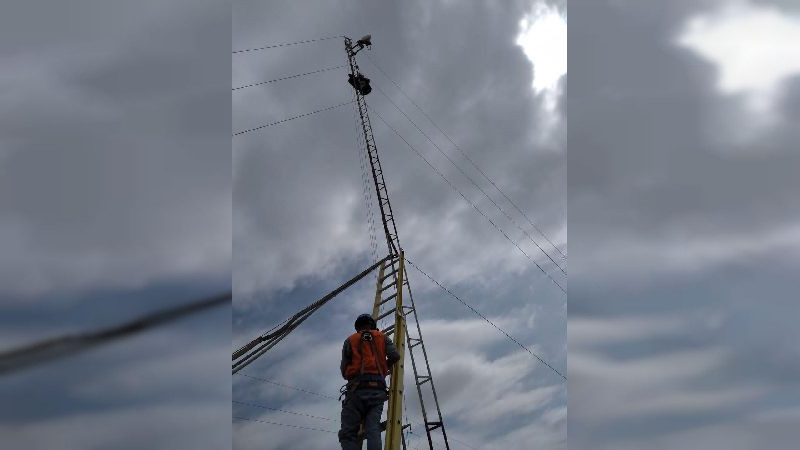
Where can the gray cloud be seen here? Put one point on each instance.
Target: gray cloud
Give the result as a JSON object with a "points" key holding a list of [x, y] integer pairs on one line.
{"points": [[686, 237], [300, 219], [89, 199], [115, 201]]}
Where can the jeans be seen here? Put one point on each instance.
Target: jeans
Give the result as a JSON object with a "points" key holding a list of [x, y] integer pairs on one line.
{"points": [[366, 405]]}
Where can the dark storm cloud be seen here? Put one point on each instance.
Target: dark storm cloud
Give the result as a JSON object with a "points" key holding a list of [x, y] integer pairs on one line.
{"points": [[684, 236], [89, 198], [300, 218]]}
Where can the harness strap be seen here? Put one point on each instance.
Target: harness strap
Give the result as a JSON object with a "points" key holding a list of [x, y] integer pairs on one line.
{"points": [[361, 352], [375, 354]]}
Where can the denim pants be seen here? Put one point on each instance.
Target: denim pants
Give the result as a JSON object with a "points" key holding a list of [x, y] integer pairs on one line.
{"points": [[366, 405]]}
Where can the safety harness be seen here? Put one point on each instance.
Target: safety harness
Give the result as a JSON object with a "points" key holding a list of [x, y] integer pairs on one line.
{"points": [[365, 381]]}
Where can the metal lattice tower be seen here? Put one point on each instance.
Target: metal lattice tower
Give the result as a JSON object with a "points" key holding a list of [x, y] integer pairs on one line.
{"points": [[396, 278]]}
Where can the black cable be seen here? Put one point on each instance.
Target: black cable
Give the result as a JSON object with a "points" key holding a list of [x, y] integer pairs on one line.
{"points": [[284, 424], [269, 340], [284, 45], [467, 157], [53, 348], [469, 201], [470, 179], [291, 118], [272, 338], [255, 354], [487, 320], [286, 78], [264, 380], [283, 410]]}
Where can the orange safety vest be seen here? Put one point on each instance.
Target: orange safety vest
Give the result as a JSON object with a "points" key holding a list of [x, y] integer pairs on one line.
{"points": [[369, 356]]}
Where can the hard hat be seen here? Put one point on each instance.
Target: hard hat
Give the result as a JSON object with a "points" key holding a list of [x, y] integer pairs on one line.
{"points": [[365, 319]]}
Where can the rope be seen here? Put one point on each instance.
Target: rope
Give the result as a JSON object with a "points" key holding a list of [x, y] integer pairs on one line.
{"points": [[511, 219], [463, 153], [265, 380], [286, 78], [54, 348], [470, 202], [288, 119], [284, 45], [283, 410], [284, 424], [270, 339], [487, 320]]}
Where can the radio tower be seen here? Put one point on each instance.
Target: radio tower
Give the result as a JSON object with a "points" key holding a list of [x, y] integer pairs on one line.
{"points": [[392, 282]]}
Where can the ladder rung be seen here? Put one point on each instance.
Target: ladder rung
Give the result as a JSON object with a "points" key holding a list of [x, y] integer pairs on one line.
{"points": [[388, 298], [387, 313], [387, 286], [430, 426], [387, 276], [362, 434], [388, 330], [425, 378]]}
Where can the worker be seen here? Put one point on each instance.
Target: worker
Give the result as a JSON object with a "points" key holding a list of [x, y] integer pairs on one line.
{"points": [[367, 357], [360, 83]]}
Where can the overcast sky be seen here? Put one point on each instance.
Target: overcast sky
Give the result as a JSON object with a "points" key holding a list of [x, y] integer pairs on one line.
{"points": [[115, 201], [115, 198], [684, 224], [493, 77]]}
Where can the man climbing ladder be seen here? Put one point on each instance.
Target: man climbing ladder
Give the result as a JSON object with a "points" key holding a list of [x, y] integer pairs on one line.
{"points": [[367, 356]]}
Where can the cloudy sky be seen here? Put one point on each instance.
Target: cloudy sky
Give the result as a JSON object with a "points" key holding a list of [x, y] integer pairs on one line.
{"points": [[493, 77], [115, 198], [115, 201], [684, 224]]}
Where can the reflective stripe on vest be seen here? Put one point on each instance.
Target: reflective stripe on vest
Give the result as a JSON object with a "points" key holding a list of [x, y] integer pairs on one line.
{"points": [[363, 354]]}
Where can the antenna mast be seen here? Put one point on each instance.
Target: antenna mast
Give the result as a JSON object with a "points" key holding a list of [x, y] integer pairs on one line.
{"points": [[390, 285]]}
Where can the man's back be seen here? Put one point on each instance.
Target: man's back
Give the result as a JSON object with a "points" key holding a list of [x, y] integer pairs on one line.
{"points": [[367, 356], [366, 352]]}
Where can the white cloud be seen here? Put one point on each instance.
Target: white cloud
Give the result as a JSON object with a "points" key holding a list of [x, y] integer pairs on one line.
{"points": [[653, 385], [683, 252], [754, 49], [741, 435], [299, 216], [589, 333], [461, 363], [159, 390], [543, 38], [189, 425]]}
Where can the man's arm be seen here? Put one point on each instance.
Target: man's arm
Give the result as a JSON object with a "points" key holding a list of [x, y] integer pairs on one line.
{"points": [[392, 355], [347, 354]]}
